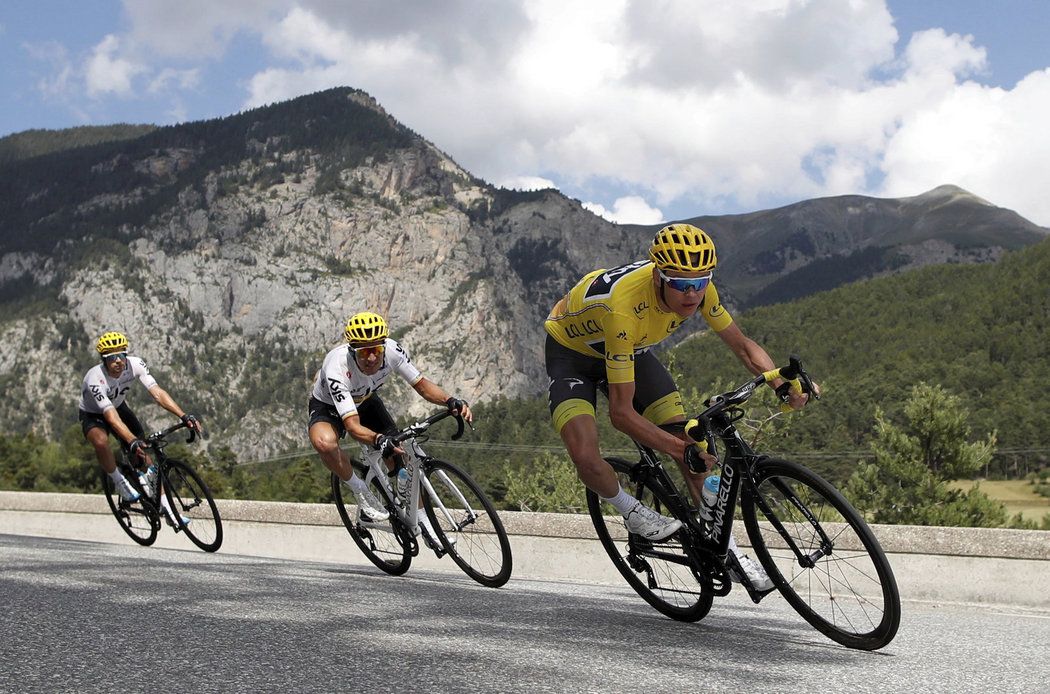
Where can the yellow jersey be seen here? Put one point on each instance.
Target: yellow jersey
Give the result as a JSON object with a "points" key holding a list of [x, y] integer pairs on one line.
{"points": [[614, 314]]}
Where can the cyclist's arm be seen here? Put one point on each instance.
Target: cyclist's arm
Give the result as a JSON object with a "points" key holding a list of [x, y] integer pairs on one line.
{"points": [[116, 424], [626, 419], [432, 392], [161, 397], [358, 431], [756, 359]]}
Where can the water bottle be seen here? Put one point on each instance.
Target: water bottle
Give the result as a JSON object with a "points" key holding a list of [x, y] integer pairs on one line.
{"points": [[709, 495], [151, 479], [402, 484]]}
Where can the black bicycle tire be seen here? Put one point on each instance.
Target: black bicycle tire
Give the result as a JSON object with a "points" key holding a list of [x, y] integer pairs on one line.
{"points": [[149, 512], [185, 469], [491, 580], [362, 538], [887, 627], [691, 613]]}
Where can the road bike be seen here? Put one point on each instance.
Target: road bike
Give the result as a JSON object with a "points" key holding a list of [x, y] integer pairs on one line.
{"points": [[186, 493], [817, 549], [465, 522]]}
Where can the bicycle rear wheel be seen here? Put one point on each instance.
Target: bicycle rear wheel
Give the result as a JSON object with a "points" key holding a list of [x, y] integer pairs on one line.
{"points": [[386, 544], [138, 519], [467, 524], [662, 573], [190, 497], [821, 555]]}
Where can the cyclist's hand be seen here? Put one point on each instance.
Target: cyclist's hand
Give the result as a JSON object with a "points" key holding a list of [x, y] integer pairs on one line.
{"points": [[794, 399], [138, 449], [192, 422], [460, 407], [698, 461], [386, 446]]}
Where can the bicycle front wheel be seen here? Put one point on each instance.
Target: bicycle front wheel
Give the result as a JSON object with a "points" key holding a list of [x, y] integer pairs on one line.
{"points": [[467, 524], [386, 544], [661, 572], [194, 507], [821, 555]]}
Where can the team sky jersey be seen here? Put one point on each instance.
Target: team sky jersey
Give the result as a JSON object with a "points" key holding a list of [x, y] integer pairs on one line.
{"points": [[615, 314], [341, 384], [101, 391]]}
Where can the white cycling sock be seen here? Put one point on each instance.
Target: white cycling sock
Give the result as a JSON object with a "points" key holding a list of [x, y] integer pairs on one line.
{"points": [[622, 502], [355, 483], [116, 475]]}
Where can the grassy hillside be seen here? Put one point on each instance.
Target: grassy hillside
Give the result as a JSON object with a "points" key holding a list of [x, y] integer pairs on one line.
{"points": [[979, 331], [33, 143]]}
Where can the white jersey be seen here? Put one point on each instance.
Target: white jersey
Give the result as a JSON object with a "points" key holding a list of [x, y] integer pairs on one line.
{"points": [[101, 391], [341, 384]]}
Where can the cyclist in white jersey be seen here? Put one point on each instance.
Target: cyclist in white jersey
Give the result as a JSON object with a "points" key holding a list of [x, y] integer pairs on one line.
{"points": [[104, 410], [344, 401]]}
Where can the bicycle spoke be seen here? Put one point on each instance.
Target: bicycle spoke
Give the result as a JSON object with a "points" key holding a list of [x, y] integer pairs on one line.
{"points": [[839, 581]]}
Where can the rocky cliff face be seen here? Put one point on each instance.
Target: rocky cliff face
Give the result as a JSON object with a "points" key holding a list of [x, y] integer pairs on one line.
{"points": [[231, 253]]}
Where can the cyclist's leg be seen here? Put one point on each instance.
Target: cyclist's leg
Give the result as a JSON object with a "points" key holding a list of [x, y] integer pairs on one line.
{"points": [[659, 401], [96, 431], [325, 429], [137, 430], [375, 416], [572, 391]]}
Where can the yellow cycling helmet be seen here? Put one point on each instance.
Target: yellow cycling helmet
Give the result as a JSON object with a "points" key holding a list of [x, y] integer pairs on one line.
{"points": [[684, 248], [111, 342], [365, 327]]}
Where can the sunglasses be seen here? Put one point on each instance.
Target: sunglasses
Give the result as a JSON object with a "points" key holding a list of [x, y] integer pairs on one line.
{"points": [[683, 284], [123, 356], [366, 352]]}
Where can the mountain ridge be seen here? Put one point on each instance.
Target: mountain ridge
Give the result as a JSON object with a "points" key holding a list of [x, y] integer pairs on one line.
{"points": [[231, 250]]}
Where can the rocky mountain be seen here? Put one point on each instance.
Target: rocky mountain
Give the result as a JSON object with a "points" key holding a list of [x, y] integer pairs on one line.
{"points": [[231, 252]]}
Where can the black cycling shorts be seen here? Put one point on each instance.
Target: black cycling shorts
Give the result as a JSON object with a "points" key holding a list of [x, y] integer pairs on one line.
{"points": [[576, 378], [90, 420], [372, 411]]}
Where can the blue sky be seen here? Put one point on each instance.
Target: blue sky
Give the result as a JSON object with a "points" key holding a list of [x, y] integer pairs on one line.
{"points": [[646, 112]]}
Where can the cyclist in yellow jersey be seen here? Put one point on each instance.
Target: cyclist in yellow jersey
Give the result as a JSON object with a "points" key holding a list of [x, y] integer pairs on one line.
{"points": [[599, 336]]}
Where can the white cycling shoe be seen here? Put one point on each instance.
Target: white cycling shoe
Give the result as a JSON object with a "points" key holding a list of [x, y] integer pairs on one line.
{"points": [[126, 491], [428, 532], [756, 575], [645, 522], [369, 506]]}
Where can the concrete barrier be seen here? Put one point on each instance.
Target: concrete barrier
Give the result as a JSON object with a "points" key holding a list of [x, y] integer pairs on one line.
{"points": [[991, 566]]}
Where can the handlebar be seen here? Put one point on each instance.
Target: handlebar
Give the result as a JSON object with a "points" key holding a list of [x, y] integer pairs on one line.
{"points": [[159, 436], [413, 430], [794, 373]]}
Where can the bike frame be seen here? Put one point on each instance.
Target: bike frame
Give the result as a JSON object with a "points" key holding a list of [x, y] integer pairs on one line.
{"points": [[156, 443], [736, 464], [416, 462]]}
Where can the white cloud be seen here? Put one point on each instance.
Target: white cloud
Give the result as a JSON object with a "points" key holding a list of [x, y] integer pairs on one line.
{"points": [[169, 79], [628, 210], [526, 183], [992, 142], [60, 70], [727, 106], [107, 72]]}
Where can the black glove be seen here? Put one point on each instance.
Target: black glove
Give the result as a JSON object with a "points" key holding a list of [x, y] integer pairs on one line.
{"points": [[137, 448], [385, 445], [784, 391], [455, 404], [190, 419], [693, 459]]}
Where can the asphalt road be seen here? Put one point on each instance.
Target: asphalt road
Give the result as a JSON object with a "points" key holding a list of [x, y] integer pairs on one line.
{"points": [[85, 617]]}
